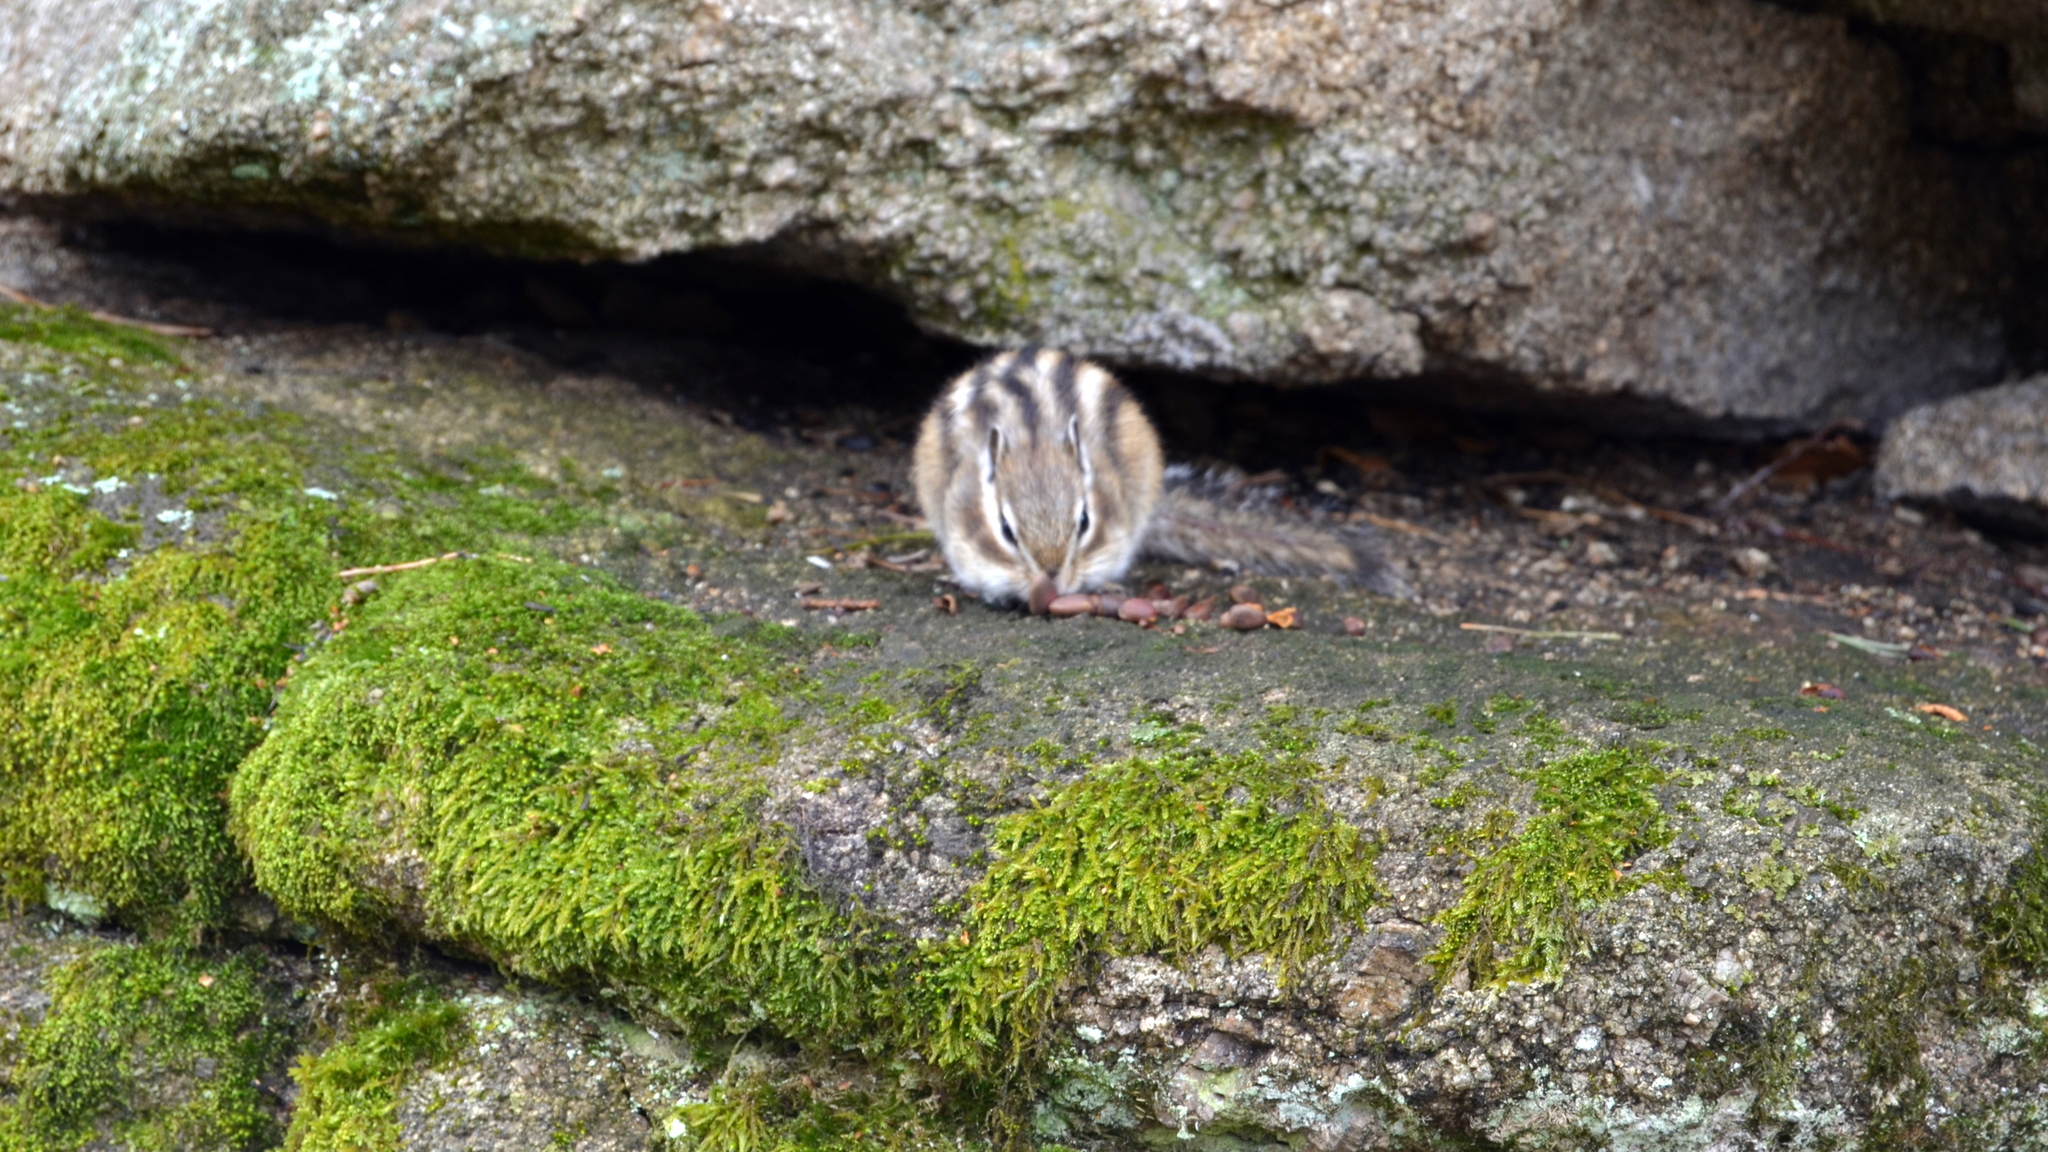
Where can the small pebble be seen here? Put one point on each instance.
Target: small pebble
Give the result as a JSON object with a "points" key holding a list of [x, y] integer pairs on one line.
{"points": [[1137, 610], [1244, 594], [1353, 626], [1072, 604], [1244, 617], [1201, 609], [1754, 563]]}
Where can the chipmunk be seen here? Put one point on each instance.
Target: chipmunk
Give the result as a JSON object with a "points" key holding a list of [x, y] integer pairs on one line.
{"points": [[1040, 476]]}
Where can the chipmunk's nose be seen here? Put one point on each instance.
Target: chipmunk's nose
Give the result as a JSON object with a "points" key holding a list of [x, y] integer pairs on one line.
{"points": [[1040, 594]]}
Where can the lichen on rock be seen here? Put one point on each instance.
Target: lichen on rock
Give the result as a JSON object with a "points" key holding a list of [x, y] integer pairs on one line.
{"points": [[1596, 200]]}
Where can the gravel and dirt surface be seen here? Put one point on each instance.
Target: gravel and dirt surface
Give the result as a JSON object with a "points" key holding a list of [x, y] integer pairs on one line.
{"points": [[1510, 515]]}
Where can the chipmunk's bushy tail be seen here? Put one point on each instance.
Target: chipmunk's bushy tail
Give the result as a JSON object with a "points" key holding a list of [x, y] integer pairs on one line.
{"points": [[1213, 518]]}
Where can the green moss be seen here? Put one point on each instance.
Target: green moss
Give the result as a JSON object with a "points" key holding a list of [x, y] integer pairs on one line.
{"points": [[1461, 796], [1164, 856], [1447, 760], [1360, 726], [137, 682], [1646, 712], [71, 330], [1283, 731], [754, 1112], [348, 1094], [160, 565], [572, 767], [1543, 731], [2015, 932], [577, 791], [1596, 810], [1772, 875], [1762, 1053], [147, 1047], [1885, 1029]]}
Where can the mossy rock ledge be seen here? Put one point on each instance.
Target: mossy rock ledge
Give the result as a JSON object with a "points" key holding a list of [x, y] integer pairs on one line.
{"points": [[586, 833]]}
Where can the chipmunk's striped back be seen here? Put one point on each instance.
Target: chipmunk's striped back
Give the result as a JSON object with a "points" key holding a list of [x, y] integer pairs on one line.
{"points": [[1038, 472]]}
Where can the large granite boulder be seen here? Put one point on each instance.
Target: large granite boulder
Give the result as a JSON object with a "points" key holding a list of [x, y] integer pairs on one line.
{"points": [[1712, 204]]}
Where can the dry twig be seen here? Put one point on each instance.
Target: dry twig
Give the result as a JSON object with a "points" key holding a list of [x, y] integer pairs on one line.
{"points": [[1607, 493], [185, 330], [380, 569], [1396, 525], [1756, 479]]}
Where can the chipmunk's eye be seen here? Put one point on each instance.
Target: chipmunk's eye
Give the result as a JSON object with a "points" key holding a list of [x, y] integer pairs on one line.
{"points": [[1083, 529], [1009, 537]]}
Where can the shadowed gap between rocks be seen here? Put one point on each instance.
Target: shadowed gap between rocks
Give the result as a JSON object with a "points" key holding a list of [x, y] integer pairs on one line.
{"points": [[777, 349]]}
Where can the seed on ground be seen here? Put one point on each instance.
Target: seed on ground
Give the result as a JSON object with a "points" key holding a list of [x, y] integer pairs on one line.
{"points": [[1244, 617]]}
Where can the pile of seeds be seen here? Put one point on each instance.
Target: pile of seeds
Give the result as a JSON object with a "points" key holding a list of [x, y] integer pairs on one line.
{"points": [[1159, 604]]}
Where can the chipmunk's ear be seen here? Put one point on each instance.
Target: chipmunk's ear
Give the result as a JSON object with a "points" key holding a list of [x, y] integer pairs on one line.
{"points": [[994, 454], [1079, 449]]}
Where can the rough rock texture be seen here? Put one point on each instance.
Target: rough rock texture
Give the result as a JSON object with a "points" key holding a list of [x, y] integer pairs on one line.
{"points": [[541, 1070], [533, 1069], [1710, 203], [1709, 915], [1985, 453], [33, 946]]}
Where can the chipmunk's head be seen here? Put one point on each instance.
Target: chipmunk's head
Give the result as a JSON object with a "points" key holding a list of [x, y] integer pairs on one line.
{"points": [[1038, 472], [1037, 497]]}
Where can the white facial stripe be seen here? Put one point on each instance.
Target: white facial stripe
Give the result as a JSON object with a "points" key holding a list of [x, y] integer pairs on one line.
{"points": [[1016, 547], [1047, 362], [1088, 389]]}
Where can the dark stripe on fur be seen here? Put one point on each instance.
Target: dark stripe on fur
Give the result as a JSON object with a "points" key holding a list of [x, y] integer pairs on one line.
{"points": [[1063, 381]]}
